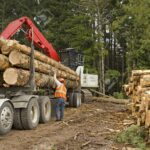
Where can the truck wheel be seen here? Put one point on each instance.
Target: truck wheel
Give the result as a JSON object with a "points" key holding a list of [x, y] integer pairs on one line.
{"points": [[30, 115], [45, 109], [83, 100], [17, 119], [76, 100], [6, 117], [71, 99], [86, 96]]}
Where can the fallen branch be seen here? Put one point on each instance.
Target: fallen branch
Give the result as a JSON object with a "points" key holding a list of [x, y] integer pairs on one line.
{"points": [[104, 133], [115, 148], [65, 123], [86, 143], [128, 122], [116, 101], [75, 137], [101, 94], [112, 130]]}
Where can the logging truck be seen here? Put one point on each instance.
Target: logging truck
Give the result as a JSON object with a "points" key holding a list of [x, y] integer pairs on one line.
{"points": [[26, 78]]}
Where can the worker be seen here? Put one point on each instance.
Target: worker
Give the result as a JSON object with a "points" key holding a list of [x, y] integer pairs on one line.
{"points": [[60, 94]]}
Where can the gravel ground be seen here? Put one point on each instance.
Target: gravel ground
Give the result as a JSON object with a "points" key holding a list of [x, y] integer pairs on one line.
{"points": [[93, 126]]}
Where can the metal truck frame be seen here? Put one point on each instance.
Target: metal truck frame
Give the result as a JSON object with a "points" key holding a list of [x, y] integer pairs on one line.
{"points": [[25, 107]]}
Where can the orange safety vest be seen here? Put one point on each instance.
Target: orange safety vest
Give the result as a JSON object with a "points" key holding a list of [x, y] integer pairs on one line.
{"points": [[60, 92]]}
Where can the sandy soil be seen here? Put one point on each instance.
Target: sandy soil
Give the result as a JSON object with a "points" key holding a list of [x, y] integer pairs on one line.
{"points": [[93, 126]]}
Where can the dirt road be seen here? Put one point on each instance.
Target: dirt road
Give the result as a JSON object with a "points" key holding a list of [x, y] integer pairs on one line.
{"points": [[93, 126]]}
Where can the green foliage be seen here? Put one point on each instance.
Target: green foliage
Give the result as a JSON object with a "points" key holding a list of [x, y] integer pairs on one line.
{"points": [[112, 74], [90, 70], [119, 95], [53, 148], [41, 92], [82, 25], [132, 29], [133, 135]]}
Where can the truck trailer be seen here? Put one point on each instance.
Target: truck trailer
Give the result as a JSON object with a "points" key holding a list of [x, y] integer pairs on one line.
{"points": [[27, 88], [24, 105]]}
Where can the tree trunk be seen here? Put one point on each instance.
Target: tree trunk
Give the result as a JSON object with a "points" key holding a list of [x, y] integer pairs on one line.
{"points": [[140, 72], [116, 101], [10, 45], [147, 121], [20, 77], [141, 90], [21, 60], [145, 81], [138, 89], [4, 62]]}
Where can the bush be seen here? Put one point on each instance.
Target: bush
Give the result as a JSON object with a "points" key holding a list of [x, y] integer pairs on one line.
{"points": [[112, 74], [133, 135], [118, 95]]}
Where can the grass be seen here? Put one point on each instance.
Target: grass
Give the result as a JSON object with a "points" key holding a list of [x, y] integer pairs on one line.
{"points": [[135, 136]]}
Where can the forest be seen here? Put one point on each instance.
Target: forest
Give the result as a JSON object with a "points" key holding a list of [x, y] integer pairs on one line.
{"points": [[113, 35]]}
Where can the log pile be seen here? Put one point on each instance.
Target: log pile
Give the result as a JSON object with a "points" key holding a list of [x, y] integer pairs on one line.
{"points": [[138, 89], [15, 67]]}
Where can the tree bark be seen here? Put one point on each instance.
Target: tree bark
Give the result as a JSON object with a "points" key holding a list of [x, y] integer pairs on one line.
{"points": [[147, 120], [21, 60], [138, 89], [4, 62], [6, 45], [20, 77], [140, 72], [145, 81], [10, 45], [141, 90], [116, 101]]}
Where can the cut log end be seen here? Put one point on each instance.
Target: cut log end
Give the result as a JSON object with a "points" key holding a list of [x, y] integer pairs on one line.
{"points": [[14, 57], [10, 76]]}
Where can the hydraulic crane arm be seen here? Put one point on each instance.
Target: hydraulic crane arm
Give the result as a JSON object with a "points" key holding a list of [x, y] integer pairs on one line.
{"points": [[38, 38]]}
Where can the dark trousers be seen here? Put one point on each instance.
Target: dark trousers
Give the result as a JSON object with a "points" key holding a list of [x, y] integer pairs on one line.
{"points": [[60, 106]]}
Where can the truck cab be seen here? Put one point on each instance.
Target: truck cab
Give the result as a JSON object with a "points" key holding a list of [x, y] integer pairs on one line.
{"points": [[75, 60]]}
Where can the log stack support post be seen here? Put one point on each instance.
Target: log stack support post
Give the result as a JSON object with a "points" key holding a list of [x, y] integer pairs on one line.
{"points": [[32, 66]]}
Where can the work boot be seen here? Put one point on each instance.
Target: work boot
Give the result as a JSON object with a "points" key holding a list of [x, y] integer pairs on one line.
{"points": [[57, 120]]}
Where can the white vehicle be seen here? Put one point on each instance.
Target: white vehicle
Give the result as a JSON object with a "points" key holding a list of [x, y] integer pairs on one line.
{"points": [[87, 80], [75, 61]]}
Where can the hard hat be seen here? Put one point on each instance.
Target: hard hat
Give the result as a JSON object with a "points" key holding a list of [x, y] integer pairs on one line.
{"points": [[61, 79]]}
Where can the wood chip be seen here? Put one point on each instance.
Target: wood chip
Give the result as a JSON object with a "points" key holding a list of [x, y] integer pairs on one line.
{"points": [[75, 137], [65, 123], [115, 148], [86, 143], [112, 130]]}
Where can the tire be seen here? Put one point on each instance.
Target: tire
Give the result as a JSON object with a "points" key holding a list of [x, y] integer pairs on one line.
{"points": [[6, 117], [83, 100], [86, 96], [77, 100], [45, 109], [71, 99], [30, 115], [17, 119]]}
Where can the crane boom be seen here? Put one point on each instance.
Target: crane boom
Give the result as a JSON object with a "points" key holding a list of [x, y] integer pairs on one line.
{"points": [[39, 40]]}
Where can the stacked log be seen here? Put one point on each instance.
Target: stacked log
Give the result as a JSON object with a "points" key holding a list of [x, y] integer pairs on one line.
{"points": [[4, 62], [138, 89], [15, 66]]}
